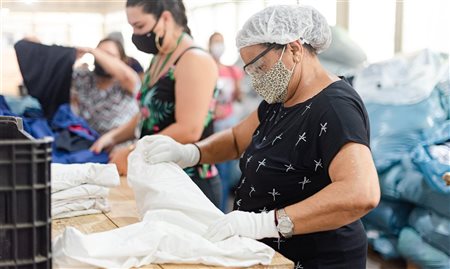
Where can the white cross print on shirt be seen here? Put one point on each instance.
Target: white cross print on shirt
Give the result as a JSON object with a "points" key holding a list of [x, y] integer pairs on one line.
{"points": [[273, 115], [264, 210], [305, 181], [248, 160], [323, 128], [298, 266], [252, 189], [301, 138], [263, 163], [279, 241], [238, 203], [278, 137], [274, 194], [242, 182], [318, 164], [289, 167], [307, 108]]}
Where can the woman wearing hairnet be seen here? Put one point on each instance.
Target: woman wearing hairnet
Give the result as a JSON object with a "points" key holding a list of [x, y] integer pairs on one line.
{"points": [[307, 171]]}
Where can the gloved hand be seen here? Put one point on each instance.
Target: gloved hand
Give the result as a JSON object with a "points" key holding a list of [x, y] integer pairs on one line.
{"points": [[162, 148], [246, 224]]}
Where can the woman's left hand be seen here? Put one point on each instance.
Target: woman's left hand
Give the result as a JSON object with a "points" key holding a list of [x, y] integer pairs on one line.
{"points": [[119, 156], [246, 224]]}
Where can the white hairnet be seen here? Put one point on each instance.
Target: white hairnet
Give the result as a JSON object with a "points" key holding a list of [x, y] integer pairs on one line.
{"points": [[284, 24]]}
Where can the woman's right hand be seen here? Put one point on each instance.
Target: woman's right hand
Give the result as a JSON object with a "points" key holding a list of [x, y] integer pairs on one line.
{"points": [[162, 148], [105, 142]]}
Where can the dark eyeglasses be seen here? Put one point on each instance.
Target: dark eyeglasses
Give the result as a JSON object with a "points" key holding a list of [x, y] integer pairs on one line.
{"points": [[271, 46]]}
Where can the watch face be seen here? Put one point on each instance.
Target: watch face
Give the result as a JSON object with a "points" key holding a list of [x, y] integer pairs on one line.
{"points": [[285, 226]]}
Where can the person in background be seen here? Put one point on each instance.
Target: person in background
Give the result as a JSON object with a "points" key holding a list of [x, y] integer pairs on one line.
{"points": [[176, 98], [229, 87], [105, 97], [132, 62], [307, 171]]}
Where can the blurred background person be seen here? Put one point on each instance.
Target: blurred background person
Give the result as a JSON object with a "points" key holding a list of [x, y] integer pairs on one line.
{"points": [[132, 62], [225, 116], [177, 95], [104, 97]]}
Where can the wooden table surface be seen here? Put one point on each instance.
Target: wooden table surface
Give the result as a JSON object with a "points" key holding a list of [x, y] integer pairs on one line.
{"points": [[124, 212]]}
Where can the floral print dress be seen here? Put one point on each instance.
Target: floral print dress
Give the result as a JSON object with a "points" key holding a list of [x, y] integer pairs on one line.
{"points": [[157, 108]]}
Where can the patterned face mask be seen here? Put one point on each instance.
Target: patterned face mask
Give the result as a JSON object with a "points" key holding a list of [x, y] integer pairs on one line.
{"points": [[273, 85]]}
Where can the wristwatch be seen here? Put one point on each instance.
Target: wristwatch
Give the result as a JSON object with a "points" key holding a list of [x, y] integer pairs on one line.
{"points": [[285, 226]]}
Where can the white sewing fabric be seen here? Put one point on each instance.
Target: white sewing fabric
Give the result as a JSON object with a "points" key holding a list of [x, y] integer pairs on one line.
{"points": [[85, 191], [65, 176], [78, 207], [175, 216], [283, 24]]}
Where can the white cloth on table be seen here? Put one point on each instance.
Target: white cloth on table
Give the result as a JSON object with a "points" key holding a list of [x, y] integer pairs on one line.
{"points": [[60, 209], [81, 189], [175, 214], [85, 191], [65, 176]]}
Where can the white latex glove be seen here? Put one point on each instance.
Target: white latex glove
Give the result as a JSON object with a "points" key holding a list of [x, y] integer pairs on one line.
{"points": [[162, 148], [246, 224]]}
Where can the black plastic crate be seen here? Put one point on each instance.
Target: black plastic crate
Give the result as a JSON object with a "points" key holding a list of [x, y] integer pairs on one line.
{"points": [[25, 220]]}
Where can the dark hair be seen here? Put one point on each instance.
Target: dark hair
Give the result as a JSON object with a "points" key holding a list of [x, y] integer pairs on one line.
{"points": [[308, 47], [156, 7], [119, 46]]}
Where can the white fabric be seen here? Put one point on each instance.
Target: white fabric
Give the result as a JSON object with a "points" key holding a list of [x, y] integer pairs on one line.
{"points": [[162, 148], [402, 80], [84, 191], [175, 216], [441, 153], [248, 224], [65, 176], [283, 24], [77, 213], [65, 206]]}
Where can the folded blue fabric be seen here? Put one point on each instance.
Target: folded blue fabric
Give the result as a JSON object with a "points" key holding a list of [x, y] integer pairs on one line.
{"points": [[433, 228], [389, 216], [412, 247], [64, 118], [434, 167], [19, 104]]}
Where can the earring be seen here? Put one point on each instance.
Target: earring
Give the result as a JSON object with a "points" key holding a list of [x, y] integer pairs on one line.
{"points": [[158, 46]]}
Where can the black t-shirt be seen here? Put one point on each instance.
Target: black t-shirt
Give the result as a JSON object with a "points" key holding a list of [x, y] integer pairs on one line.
{"points": [[288, 161]]}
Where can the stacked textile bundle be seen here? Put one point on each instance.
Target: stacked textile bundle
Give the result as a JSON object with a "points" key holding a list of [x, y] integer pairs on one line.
{"points": [[81, 189], [407, 99]]}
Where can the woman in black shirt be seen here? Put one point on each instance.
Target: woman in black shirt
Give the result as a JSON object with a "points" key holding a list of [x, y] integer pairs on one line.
{"points": [[307, 171]]}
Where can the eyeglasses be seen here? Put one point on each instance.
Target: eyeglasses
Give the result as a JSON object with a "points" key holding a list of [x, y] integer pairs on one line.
{"points": [[251, 68]]}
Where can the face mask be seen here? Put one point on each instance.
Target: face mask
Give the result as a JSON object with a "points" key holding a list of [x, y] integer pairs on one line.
{"points": [[147, 42], [217, 50], [273, 85], [99, 71]]}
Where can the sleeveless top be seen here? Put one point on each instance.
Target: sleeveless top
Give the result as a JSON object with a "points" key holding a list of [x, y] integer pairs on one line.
{"points": [[157, 109]]}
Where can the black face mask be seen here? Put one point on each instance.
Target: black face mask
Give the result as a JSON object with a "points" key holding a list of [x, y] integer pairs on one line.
{"points": [[146, 42], [99, 71]]}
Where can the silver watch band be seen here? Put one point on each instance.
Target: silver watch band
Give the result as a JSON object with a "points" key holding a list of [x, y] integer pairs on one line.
{"points": [[285, 225]]}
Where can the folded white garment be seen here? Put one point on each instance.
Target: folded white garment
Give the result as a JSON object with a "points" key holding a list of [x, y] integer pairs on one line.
{"points": [[65, 176], [85, 191], [64, 206], [175, 216], [77, 213]]}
